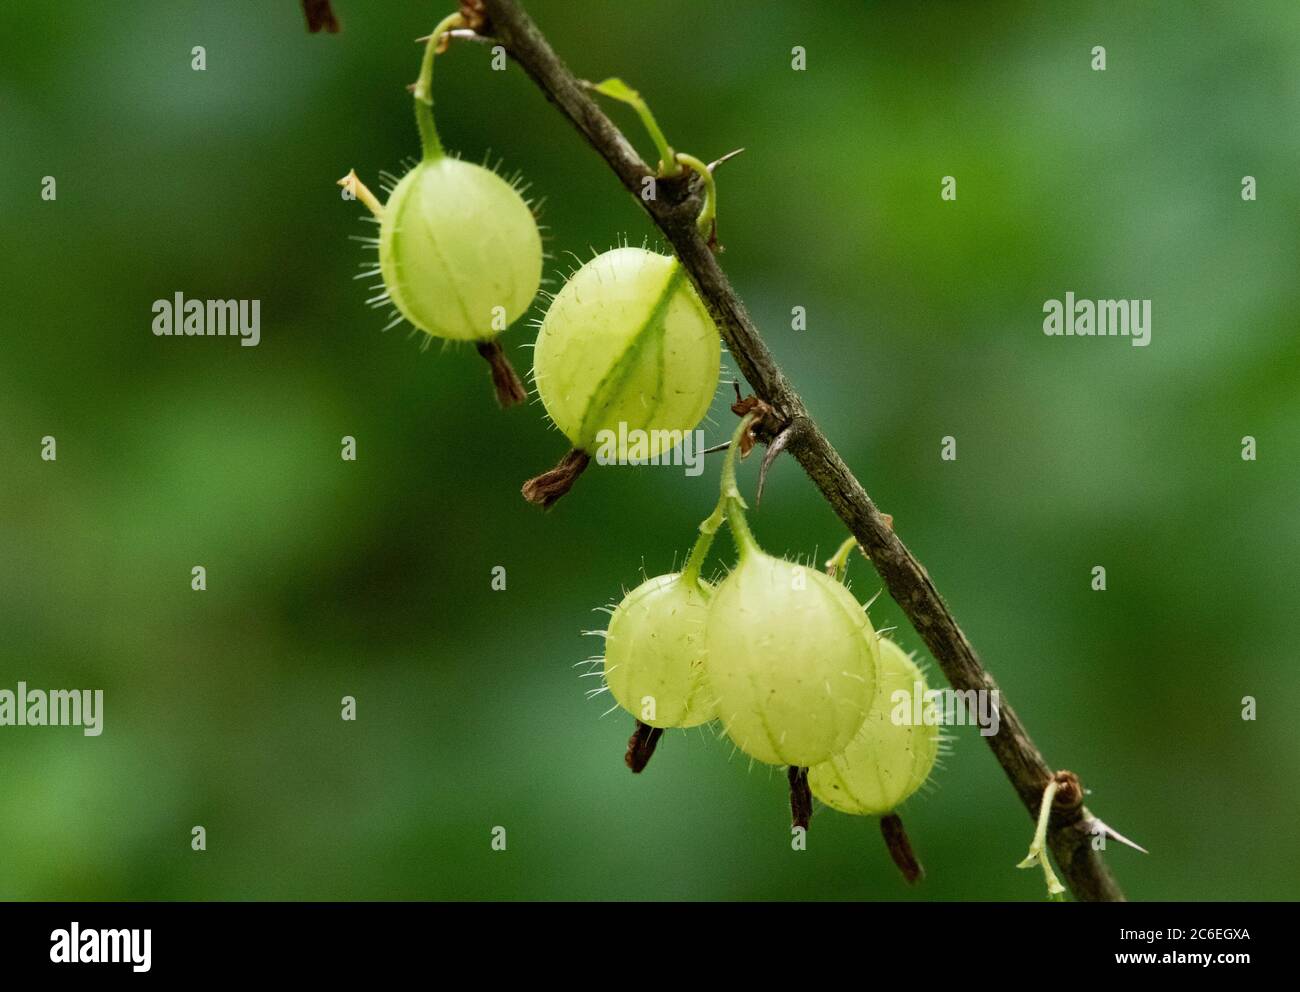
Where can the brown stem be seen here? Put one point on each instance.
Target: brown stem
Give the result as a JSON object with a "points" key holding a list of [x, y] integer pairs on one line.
{"points": [[674, 212], [800, 797], [545, 489], [641, 746], [509, 389], [900, 848]]}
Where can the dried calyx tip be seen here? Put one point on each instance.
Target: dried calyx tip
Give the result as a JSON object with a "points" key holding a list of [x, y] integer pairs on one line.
{"points": [[800, 797], [641, 746], [900, 848], [509, 389], [548, 487], [320, 17]]}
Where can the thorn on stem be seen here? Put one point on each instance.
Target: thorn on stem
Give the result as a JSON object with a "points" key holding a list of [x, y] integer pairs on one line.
{"points": [[900, 848], [641, 746], [727, 157], [800, 797], [1069, 797], [548, 487], [1096, 826], [459, 34], [505, 380], [773, 450]]}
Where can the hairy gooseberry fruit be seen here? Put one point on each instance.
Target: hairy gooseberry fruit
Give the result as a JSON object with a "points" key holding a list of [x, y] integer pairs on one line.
{"points": [[626, 349], [654, 647], [460, 254], [893, 753], [791, 657], [459, 250]]}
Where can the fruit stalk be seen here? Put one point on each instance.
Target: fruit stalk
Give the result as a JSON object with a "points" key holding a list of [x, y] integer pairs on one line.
{"points": [[423, 89], [732, 500], [838, 564]]}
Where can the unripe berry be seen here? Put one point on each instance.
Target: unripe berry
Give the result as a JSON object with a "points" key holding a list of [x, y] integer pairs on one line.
{"points": [[459, 250], [625, 344], [791, 657], [892, 755], [654, 648]]}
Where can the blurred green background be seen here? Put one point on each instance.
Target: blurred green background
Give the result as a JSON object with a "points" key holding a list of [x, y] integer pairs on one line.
{"points": [[372, 579]]}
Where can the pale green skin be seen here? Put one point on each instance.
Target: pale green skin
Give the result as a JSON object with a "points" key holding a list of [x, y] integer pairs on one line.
{"points": [[627, 340], [655, 647], [793, 670], [885, 763], [456, 242]]}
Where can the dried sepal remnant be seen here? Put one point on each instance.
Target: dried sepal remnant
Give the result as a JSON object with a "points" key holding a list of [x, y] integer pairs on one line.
{"points": [[800, 797], [641, 746], [320, 17], [545, 489], [761, 418], [507, 385]]}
